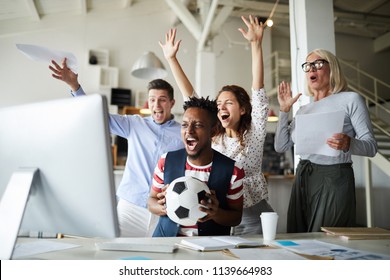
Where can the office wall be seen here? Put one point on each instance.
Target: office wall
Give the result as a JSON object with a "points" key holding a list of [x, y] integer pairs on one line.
{"points": [[127, 34]]}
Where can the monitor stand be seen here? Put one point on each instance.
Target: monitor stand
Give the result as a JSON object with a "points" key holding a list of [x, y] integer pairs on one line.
{"points": [[12, 206]]}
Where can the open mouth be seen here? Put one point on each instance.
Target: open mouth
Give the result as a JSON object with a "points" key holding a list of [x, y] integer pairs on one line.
{"points": [[313, 78], [158, 113], [191, 143], [224, 116]]}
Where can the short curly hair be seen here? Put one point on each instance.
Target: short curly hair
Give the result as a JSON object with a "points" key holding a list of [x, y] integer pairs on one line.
{"points": [[204, 103]]}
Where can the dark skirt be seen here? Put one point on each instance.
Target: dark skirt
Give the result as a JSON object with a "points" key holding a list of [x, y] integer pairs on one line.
{"points": [[322, 196]]}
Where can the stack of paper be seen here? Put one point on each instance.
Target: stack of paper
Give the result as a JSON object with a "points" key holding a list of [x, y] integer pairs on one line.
{"points": [[358, 233]]}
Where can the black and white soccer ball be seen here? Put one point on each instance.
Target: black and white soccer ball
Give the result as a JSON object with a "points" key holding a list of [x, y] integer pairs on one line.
{"points": [[183, 198]]}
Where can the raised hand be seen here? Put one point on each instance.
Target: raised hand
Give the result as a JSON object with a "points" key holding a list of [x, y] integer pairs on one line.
{"points": [[285, 98], [170, 47], [255, 29], [64, 74]]}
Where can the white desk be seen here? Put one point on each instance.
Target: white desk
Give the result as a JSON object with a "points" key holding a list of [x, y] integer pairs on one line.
{"points": [[88, 251]]}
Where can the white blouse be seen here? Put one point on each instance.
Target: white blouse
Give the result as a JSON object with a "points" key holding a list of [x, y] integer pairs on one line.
{"points": [[251, 155]]}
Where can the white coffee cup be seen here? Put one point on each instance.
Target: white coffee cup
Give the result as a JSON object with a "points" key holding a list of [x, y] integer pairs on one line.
{"points": [[269, 222]]}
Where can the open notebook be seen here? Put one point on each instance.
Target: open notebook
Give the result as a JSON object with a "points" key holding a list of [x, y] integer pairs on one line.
{"points": [[216, 243]]}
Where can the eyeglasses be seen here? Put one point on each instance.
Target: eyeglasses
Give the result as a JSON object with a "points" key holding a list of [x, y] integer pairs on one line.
{"points": [[318, 64]]}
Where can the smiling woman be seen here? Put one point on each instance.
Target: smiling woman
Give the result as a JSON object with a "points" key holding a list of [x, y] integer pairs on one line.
{"points": [[241, 130]]}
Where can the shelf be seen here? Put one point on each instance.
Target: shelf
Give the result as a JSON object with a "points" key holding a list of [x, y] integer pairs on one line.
{"points": [[108, 77], [101, 55]]}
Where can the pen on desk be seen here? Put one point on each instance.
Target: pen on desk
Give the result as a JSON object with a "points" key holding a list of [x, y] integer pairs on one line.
{"points": [[44, 234], [252, 246]]}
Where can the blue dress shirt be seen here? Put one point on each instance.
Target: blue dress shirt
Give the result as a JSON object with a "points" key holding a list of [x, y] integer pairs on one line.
{"points": [[146, 141]]}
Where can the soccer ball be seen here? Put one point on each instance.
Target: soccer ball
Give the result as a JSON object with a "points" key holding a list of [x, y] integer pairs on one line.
{"points": [[183, 198]]}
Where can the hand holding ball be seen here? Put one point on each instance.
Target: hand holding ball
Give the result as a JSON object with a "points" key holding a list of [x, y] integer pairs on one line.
{"points": [[183, 198]]}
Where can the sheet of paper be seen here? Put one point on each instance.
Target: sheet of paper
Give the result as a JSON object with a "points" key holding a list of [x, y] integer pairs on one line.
{"points": [[237, 240], [319, 248], [265, 254], [39, 246], [43, 54], [312, 130]]}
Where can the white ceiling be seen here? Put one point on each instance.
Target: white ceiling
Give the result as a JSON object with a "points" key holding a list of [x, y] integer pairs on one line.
{"points": [[355, 17]]}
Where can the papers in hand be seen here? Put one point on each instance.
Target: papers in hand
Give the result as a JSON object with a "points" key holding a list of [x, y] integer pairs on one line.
{"points": [[46, 55], [312, 131], [218, 243]]}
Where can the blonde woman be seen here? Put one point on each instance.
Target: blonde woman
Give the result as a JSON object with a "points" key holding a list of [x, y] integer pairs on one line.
{"points": [[323, 193]]}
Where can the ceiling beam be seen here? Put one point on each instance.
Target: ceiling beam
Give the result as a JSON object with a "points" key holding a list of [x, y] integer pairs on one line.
{"points": [[32, 8], [362, 18], [382, 43], [185, 17], [256, 5], [207, 25], [215, 15], [175, 19], [220, 19]]}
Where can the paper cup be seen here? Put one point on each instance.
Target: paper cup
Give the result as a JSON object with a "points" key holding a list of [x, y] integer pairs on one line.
{"points": [[269, 222]]}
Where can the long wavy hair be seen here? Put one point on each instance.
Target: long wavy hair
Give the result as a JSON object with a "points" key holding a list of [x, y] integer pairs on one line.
{"points": [[338, 82], [246, 119]]}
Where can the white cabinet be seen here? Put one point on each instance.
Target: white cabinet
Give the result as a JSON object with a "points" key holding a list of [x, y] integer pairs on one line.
{"points": [[108, 75]]}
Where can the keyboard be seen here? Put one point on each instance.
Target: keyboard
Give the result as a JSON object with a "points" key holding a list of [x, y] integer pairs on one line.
{"points": [[138, 247]]}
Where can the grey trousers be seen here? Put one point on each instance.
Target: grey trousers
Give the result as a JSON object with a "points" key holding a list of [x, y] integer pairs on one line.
{"points": [[322, 196], [250, 222]]}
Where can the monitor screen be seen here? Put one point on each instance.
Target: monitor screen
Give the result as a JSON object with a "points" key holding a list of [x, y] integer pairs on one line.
{"points": [[68, 141]]}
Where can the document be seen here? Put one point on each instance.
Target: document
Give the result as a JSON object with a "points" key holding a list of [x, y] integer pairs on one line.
{"points": [[40, 246], [312, 131], [323, 249], [265, 254], [46, 55], [217, 243]]}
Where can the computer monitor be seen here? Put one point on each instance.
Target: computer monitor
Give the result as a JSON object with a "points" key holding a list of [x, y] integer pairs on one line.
{"points": [[67, 143]]}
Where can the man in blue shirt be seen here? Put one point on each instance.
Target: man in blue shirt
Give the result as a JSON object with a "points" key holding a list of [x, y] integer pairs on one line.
{"points": [[148, 138]]}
